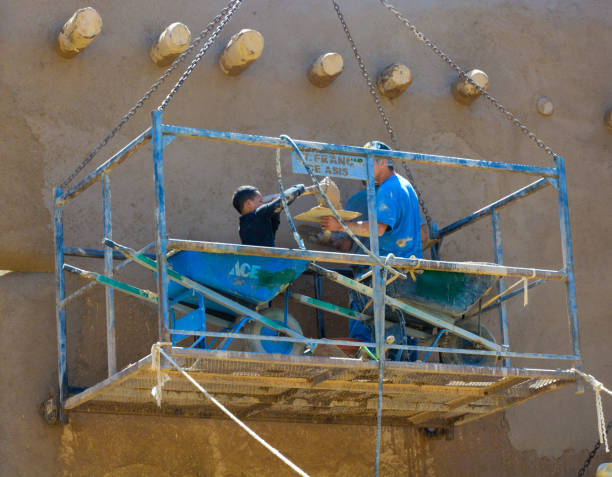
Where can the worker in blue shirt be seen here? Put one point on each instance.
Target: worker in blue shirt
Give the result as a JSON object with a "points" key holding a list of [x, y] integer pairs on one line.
{"points": [[397, 212], [399, 227]]}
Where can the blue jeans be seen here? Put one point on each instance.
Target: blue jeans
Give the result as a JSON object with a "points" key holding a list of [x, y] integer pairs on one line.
{"points": [[365, 332]]}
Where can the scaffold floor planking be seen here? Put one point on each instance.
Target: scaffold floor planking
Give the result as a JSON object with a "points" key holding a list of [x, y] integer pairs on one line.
{"points": [[317, 389]]}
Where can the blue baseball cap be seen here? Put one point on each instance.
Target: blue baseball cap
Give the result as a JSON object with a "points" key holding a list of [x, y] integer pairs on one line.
{"points": [[380, 146], [376, 145]]}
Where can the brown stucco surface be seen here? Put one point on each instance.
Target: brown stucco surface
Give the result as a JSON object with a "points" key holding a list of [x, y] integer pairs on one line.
{"points": [[55, 110]]}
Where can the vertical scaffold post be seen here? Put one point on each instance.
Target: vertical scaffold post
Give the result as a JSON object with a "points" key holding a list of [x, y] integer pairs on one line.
{"points": [[161, 238], [318, 294], [499, 259], [60, 293], [568, 264], [379, 305], [111, 341]]}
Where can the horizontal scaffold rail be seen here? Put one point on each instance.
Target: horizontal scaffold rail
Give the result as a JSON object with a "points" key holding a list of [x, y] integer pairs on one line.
{"points": [[267, 141], [112, 162], [356, 259]]}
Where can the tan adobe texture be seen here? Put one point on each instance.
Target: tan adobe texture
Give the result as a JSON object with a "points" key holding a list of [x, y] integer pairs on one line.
{"points": [[55, 110]]}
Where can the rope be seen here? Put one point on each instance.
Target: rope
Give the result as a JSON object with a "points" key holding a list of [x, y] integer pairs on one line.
{"points": [[499, 295], [525, 281], [148, 94], [162, 378], [382, 113], [279, 175], [387, 282], [335, 212], [462, 73], [157, 347], [601, 421]]}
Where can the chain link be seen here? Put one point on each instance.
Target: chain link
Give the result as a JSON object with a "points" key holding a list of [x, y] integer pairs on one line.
{"points": [[462, 73], [199, 56], [381, 111], [152, 89], [593, 452]]}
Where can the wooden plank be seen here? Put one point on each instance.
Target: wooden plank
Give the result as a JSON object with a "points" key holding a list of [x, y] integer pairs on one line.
{"points": [[108, 383], [468, 418]]}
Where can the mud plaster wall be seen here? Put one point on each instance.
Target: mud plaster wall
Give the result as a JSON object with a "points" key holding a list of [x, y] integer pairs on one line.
{"points": [[55, 110]]}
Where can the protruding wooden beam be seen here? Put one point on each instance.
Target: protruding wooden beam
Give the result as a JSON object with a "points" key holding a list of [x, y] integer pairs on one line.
{"points": [[464, 91], [171, 43], [394, 80], [545, 106], [78, 32], [608, 119], [325, 69], [242, 50]]}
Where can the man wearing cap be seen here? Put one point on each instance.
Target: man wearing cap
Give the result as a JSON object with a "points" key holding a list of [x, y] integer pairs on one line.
{"points": [[397, 212], [399, 226]]}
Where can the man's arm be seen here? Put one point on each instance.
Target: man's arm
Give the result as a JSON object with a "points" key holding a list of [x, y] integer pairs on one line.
{"points": [[276, 205], [360, 227]]}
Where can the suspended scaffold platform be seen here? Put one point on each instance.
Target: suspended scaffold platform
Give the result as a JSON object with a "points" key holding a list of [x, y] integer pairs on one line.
{"points": [[284, 386], [211, 294], [319, 389]]}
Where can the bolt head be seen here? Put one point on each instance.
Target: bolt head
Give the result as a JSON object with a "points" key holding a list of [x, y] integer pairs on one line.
{"points": [[545, 106], [608, 119]]}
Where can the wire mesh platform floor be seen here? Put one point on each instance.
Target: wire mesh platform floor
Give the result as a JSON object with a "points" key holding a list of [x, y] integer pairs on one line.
{"points": [[318, 389]]}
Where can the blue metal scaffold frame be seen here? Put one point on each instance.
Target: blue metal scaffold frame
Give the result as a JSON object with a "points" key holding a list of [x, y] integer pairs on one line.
{"points": [[161, 135]]}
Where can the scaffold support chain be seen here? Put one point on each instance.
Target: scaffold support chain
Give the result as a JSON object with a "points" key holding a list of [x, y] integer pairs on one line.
{"points": [[249, 431], [601, 421], [382, 112], [194, 63], [197, 40], [463, 74]]}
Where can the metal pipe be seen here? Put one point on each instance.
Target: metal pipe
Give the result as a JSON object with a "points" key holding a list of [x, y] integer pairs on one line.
{"points": [[161, 237], [320, 317], [95, 253], [432, 318], [499, 259], [433, 345], [111, 338], [474, 216], [379, 302], [207, 292], [314, 341], [107, 166], [90, 253], [568, 262], [141, 293], [267, 141], [60, 311], [323, 305], [356, 259], [510, 295]]}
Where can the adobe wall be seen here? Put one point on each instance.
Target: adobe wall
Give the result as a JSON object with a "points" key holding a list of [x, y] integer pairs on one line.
{"points": [[54, 111]]}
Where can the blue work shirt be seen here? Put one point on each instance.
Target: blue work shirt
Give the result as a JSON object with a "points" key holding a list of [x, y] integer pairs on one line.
{"points": [[358, 203], [397, 206]]}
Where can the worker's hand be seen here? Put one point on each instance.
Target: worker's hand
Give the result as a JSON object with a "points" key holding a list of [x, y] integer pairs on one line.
{"points": [[310, 190], [331, 224]]}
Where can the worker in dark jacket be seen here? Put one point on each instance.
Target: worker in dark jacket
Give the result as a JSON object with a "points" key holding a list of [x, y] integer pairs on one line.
{"points": [[258, 221]]}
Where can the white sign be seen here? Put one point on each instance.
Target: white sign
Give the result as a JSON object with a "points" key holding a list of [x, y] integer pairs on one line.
{"points": [[335, 165]]}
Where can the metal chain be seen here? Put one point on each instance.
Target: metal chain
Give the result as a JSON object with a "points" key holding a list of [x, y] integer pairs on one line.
{"points": [[199, 56], [148, 94], [462, 73], [381, 111], [587, 462]]}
